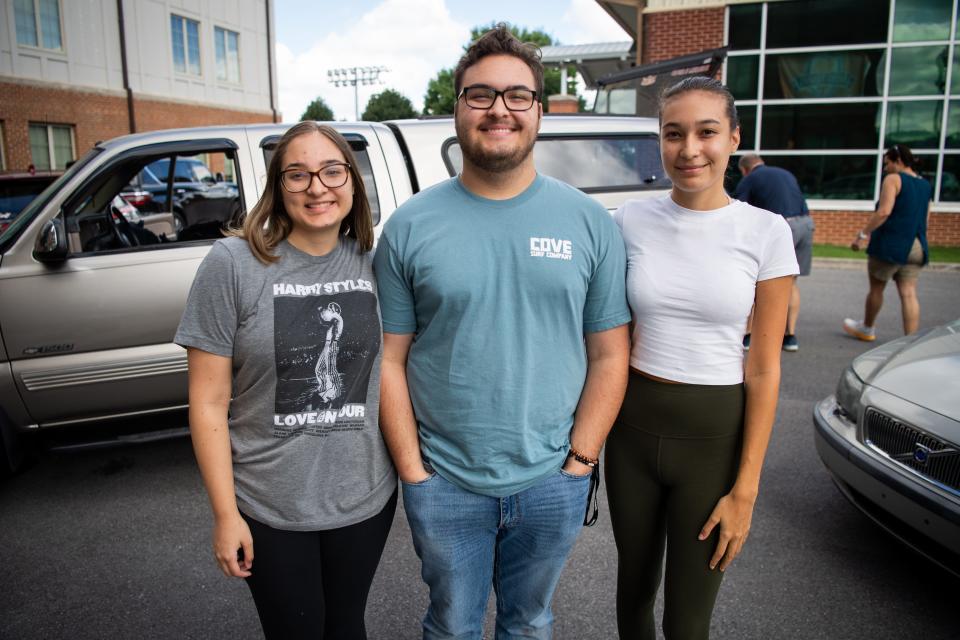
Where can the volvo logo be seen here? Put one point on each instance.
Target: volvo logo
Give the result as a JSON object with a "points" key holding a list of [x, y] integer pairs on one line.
{"points": [[921, 454]]}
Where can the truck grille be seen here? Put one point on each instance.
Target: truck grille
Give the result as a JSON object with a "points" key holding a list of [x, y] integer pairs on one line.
{"points": [[930, 457]]}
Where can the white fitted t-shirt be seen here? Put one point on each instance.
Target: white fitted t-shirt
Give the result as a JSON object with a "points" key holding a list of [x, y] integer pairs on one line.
{"points": [[691, 281]]}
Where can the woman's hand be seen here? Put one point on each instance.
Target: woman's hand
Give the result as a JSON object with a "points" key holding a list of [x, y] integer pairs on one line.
{"points": [[230, 535], [733, 513]]}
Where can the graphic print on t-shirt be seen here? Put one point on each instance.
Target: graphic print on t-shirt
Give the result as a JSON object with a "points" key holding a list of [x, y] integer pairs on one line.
{"points": [[326, 338]]}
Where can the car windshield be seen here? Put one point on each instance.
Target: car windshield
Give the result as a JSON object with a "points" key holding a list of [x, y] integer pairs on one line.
{"points": [[11, 231], [187, 170]]}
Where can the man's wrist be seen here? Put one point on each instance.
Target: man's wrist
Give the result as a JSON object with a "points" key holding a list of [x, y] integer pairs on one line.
{"points": [[583, 458], [862, 235]]}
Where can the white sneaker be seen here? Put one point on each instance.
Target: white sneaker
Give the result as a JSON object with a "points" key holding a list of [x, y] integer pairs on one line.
{"points": [[859, 330]]}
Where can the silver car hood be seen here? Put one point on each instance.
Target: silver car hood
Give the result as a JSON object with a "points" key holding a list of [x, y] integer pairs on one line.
{"points": [[923, 369]]}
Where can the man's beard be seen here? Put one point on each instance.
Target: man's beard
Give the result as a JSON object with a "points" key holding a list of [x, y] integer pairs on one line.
{"points": [[492, 162]]}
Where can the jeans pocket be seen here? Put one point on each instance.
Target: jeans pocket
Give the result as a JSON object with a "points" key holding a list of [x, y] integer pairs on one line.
{"points": [[573, 476], [433, 474]]}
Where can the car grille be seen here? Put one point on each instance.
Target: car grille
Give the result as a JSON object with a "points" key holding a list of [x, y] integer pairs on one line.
{"points": [[930, 457]]}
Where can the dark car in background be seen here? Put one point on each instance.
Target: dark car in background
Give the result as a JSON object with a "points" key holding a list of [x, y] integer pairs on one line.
{"points": [[17, 190], [203, 204], [890, 437]]}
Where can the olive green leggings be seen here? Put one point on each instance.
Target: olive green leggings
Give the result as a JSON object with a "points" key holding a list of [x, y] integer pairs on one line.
{"points": [[672, 454]]}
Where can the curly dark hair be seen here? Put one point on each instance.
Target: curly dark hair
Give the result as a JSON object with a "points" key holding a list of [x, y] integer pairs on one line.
{"points": [[499, 41]]}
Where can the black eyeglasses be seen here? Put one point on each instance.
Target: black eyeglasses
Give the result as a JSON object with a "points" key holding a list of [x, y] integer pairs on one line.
{"points": [[331, 176], [481, 97]]}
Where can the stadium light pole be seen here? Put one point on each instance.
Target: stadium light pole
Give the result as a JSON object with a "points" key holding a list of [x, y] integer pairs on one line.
{"points": [[355, 76]]}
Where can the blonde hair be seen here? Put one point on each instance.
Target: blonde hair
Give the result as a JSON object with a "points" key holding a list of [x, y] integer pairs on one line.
{"points": [[267, 224]]}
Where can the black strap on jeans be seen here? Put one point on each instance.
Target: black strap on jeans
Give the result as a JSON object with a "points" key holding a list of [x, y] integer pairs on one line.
{"points": [[588, 519]]}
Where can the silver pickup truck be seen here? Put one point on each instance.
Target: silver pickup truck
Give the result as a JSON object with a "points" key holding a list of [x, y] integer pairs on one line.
{"points": [[94, 273]]}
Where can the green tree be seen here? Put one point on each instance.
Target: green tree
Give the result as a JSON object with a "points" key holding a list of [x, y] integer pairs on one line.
{"points": [[440, 97], [317, 110], [388, 105]]}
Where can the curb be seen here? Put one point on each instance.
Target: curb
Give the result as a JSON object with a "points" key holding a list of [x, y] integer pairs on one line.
{"points": [[861, 263]]}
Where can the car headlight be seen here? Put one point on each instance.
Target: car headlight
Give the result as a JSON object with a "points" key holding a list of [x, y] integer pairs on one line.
{"points": [[849, 390]]}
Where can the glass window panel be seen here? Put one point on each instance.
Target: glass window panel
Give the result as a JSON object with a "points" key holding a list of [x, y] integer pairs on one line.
{"points": [[39, 146], [922, 20], [176, 39], [953, 126], [26, 22], [62, 147], [918, 71], [811, 23], [821, 126], [742, 74], [950, 179], [826, 74], [233, 56], [955, 79], [193, 46], [744, 30], [832, 177], [915, 124], [748, 126], [220, 49], [50, 24]]}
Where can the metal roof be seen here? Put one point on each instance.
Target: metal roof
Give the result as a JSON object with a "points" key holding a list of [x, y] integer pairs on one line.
{"points": [[578, 52]]}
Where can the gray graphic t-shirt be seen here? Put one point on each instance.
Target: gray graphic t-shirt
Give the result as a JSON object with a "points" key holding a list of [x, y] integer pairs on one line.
{"points": [[305, 338]]}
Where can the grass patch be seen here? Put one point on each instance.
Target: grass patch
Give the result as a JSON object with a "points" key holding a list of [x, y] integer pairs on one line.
{"points": [[937, 254]]}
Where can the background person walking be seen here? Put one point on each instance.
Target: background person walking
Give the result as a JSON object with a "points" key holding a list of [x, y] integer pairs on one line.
{"points": [[777, 190], [898, 242]]}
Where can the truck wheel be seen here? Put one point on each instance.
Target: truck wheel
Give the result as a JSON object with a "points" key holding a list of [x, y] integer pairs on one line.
{"points": [[178, 222]]}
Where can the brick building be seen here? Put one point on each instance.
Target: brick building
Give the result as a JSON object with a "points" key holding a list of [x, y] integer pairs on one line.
{"points": [[73, 72], [823, 87]]}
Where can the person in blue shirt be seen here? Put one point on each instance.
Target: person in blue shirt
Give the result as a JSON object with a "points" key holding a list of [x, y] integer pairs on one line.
{"points": [[898, 242], [505, 356], [776, 189]]}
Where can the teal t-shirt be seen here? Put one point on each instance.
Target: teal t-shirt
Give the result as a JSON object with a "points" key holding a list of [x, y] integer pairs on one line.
{"points": [[498, 295]]}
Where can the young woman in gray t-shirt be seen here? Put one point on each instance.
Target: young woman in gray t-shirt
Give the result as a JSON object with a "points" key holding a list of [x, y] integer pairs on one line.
{"points": [[283, 333]]}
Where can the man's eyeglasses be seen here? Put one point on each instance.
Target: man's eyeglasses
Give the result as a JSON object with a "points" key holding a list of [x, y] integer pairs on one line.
{"points": [[331, 176], [481, 97]]}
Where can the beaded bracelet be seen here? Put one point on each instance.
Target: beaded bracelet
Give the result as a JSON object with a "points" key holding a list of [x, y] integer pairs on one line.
{"points": [[582, 459]]}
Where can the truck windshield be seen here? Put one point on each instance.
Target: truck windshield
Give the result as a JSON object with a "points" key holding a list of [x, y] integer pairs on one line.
{"points": [[8, 234], [593, 164]]}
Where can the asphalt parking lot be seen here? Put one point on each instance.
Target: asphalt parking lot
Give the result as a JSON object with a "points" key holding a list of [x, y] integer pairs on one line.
{"points": [[115, 543]]}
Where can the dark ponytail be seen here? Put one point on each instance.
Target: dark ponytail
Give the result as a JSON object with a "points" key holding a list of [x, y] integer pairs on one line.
{"points": [[708, 85], [902, 153]]}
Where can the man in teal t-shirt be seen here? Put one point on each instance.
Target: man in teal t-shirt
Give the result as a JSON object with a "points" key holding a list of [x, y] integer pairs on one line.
{"points": [[505, 356]]}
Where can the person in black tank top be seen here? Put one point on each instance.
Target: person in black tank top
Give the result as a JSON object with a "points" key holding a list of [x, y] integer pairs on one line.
{"points": [[898, 242]]}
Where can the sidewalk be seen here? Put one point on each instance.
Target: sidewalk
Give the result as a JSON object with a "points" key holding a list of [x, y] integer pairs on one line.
{"points": [[858, 263]]}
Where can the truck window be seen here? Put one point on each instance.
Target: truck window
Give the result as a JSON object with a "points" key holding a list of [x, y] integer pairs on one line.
{"points": [[592, 164], [359, 147], [146, 202]]}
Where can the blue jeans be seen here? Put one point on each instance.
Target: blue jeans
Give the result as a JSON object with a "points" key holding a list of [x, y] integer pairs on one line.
{"points": [[519, 544]]}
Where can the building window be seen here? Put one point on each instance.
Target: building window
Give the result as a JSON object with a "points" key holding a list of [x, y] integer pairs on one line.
{"points": [[51, 146], [228, 54], [38, 23], [185, 37], [825, 100]]}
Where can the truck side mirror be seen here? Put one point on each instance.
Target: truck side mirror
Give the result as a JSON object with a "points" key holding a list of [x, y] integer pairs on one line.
{"points": [[51, 244]]}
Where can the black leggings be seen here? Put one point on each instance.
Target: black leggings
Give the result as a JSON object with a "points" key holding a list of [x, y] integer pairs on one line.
{"points": [[314, 584], [672, 454]]}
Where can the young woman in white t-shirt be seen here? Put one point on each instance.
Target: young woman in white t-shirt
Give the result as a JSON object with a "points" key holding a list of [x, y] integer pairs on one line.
{"points": [[683, 459]]}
